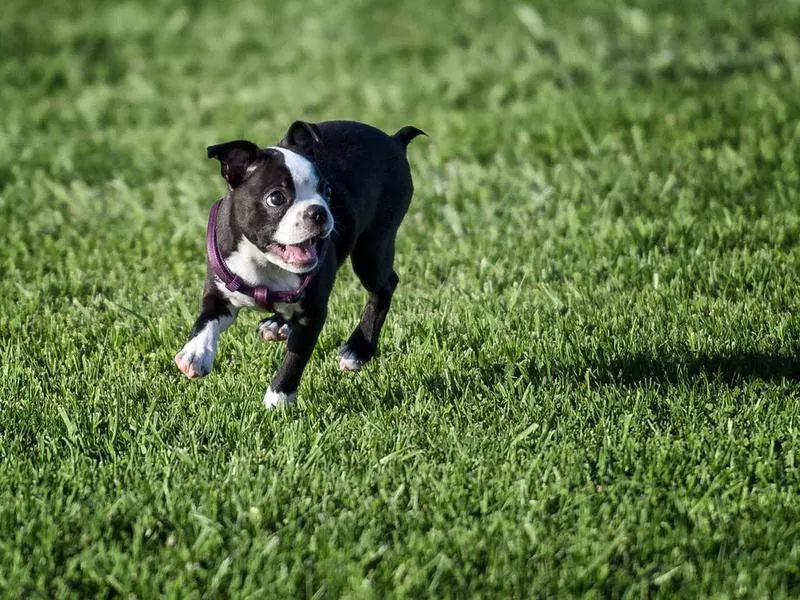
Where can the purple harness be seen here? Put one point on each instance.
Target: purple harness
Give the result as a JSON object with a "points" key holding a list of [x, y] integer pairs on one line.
{"points": [[261, 295]]}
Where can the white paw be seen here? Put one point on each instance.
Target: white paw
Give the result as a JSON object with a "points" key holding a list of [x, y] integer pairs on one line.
{"points": [[195, 359], [349, 360], [273, 399], [273, 330]]}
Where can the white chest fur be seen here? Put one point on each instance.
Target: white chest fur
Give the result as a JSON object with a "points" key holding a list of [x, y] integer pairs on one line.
{"points": [[252, 265]]}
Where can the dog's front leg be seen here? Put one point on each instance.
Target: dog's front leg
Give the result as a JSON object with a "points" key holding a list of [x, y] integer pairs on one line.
{"points": [[216, 314], [303, 336]]}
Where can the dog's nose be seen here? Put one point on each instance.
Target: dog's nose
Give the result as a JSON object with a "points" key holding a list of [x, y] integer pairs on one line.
{"points": [[315, 214]]}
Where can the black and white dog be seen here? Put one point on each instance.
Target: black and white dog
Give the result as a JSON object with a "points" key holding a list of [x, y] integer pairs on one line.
{"points": [[291, 216]]}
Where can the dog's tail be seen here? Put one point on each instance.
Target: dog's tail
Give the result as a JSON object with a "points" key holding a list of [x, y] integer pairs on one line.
{"points": [[406, 134]]}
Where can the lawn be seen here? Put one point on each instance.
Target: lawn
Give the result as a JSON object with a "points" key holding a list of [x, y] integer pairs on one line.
{"points": [[589, 380]]}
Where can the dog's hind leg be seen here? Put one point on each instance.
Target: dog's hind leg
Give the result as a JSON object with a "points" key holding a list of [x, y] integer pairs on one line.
{"points": [[372, 260]]}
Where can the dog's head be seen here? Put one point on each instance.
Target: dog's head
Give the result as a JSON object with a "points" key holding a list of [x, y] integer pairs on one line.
{"points": [[279, 199]]}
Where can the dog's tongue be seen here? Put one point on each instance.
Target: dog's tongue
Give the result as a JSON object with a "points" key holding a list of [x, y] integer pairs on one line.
{"points": [[303, 252]]}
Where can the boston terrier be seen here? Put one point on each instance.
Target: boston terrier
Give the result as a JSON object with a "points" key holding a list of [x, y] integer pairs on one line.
{"points": [[291, 216]]}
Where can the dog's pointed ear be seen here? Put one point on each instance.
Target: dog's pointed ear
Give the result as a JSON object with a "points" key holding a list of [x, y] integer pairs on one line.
{"points": [[302, 137], [236, 159]]}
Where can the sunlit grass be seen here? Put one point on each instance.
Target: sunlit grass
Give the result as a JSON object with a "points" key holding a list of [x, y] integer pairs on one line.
{"points": [[588, 381]]}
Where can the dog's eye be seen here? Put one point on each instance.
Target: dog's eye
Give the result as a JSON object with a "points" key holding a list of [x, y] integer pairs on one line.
{"points": [[326, 191], [276, 198]]}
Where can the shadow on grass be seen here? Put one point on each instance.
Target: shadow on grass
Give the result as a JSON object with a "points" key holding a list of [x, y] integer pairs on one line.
{"points": [[629, 371], [731, 369]]}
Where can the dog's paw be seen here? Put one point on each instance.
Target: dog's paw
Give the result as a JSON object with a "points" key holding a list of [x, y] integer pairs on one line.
{"points": [[273, 329], [273, 399], [349, 360], [195, 360]]}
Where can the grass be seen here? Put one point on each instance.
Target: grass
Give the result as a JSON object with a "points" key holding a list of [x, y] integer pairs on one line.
{"points": [[588, 384]]}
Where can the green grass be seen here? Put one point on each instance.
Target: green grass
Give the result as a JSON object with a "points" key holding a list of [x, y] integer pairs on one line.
{"points": [[588, 384]]}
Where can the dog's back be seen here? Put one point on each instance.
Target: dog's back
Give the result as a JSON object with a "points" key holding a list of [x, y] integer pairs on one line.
{"points": [[371, 167]]}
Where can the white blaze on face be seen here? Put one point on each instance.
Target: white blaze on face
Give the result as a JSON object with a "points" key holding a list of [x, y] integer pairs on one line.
{"points": [[293, 228]]}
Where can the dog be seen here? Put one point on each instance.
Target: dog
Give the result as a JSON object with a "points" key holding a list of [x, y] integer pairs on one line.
{"points": [[291, 216]]}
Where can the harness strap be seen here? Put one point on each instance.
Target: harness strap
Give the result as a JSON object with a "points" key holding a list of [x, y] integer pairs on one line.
{"points": [[260, 294]]}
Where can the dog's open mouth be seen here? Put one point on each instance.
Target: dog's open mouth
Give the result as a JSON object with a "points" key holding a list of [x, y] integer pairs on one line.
{"points": [[302, 256]]}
